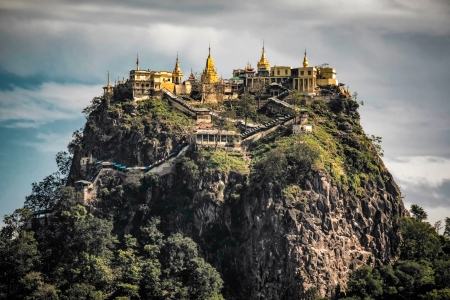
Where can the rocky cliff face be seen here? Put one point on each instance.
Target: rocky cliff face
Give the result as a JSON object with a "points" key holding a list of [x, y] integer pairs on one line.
{"points": [[266, 243], [270, 247]]}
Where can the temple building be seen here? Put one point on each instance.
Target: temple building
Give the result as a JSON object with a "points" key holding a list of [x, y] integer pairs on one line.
{"points": [[209, 74], [145, 82], [139, 81], [279, 79], [305, 79]]}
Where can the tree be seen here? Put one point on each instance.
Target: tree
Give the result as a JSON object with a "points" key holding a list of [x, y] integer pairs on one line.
{"points": [[418, 212], [420, 240], [447, 227], [15, 223], [246, 107], [438, 226], [18, 257], [32, 286], [186, 274], [94, 105], [259, 88], [79, 249], [297, 97], [365, 283], [45, 194], [203, 89], [376, 142], [77, 141]]}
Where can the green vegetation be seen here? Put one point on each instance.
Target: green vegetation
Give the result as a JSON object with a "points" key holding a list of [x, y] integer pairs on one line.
{"points": [[48, 192], [422, 271], [149, 114], [78, 252], [283, 161], [77, 256], [246, 107], [221, 161], [348, 155], [337, 145]]}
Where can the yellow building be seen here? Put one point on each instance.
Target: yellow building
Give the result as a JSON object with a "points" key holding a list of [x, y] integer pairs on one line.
{"points": [[209, 74], [280, 71], [139, 81], [326, 76], [306, 80], [144, 82], [161, 79]]}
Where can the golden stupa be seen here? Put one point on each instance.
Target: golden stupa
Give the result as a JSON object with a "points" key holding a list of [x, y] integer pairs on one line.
{"points": [[209, 74], [263, 62]]}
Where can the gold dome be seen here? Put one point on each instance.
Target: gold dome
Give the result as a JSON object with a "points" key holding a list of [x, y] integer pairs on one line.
{"points": [[305, 60]]}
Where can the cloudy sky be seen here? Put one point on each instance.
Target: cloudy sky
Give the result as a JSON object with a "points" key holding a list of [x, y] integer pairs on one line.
{"points": [[54, 57]]}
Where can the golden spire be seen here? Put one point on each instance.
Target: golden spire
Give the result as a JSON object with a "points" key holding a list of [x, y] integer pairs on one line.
{"points": [[177, 69], [209, 74], [108, 78], [263, 62], [305, 60], [137, 62]]}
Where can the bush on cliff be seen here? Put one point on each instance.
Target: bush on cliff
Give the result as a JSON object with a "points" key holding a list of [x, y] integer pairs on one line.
{"points": [[421, 273]]}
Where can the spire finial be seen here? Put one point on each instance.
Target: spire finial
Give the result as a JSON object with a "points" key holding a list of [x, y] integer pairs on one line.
{"points": [[263, 45], [305, 60], [137, 61], [108, 77], [209, 49]]}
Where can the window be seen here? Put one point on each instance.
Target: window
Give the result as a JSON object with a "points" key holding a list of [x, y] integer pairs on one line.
{"points": [[309, 72], [147, 85], [223, 138], [205, 137], [211, 138], [199, 137], [285, 72], [278, 72], [302, 72]]}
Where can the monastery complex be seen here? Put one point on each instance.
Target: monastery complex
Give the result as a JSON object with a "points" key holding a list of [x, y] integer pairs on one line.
{"points": [[208, 87], [273, 86]]}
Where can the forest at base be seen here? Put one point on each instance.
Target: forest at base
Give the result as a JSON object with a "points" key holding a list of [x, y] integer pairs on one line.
{"points": [[78, 256]]}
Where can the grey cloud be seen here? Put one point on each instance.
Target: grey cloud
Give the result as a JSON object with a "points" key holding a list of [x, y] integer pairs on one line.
{"points": [[394, 53], [426, 195]]}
